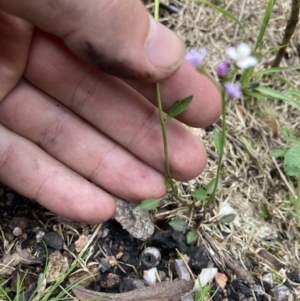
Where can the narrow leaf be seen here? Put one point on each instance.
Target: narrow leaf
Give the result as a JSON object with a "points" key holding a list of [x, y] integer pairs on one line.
{"points": [[217, 137], [199, 194], [270, 93], [228, 218], [275, 153], [264, 24], [210, 186], [178, 224], [292, 92], [276, 70], [178, 107], [225, 13], [191, 237], [264, 212], [148, 204]]}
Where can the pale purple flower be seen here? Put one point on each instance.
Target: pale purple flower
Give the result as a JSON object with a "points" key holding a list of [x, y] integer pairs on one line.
{"points": [[233, 90], [196, 57], [222, 68], [242, 56]]}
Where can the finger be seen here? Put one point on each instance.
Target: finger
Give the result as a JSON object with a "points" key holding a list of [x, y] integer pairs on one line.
{"points": [[205, 107], [67, 137], [118, 37], [114, 108], [15, 37], [30, 171]]}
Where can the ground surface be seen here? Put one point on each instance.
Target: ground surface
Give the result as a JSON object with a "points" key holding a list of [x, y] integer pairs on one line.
{"points": [[253, 246]]}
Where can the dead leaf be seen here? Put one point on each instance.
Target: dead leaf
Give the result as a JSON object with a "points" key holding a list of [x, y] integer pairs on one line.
{"points": [[8, 261]]}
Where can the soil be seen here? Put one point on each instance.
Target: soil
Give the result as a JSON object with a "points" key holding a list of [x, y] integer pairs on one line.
{"points": [[257, 252]]}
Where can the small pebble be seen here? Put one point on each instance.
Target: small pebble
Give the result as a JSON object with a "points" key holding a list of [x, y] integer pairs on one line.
{"points": [[281, 293], [198, 259], [150, 276], [54, 240], [268, 281], [39, 236], [110, 280], [20, 222], [17, 231]]}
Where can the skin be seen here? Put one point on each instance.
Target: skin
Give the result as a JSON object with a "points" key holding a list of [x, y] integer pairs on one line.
{"points": [[78, 120]]}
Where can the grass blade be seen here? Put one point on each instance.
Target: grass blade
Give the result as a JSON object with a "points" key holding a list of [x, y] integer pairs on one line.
{"points": [[264, 24], [276, 70], [225, 13], [273, 94]]}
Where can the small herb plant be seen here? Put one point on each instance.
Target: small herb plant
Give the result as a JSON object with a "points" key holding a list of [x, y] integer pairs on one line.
{"points": [[239, 76], [291, 165]]}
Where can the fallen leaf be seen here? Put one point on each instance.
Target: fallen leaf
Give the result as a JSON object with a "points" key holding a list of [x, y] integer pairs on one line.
{"points": [[9, 261]]}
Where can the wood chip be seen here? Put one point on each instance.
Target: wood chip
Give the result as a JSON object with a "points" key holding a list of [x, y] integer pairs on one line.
{"points": [[221, 279]]}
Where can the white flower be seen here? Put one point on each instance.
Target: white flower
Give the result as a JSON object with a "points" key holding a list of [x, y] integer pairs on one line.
{"points": [[242, 56]]}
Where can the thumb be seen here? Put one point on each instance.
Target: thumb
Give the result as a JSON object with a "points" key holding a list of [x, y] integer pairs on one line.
{"points": [[119, 37]]}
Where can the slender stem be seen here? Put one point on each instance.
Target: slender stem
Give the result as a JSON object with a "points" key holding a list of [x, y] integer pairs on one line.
{"points": [[223, 138], [163, 126], [289, 30], [164, 132], [156, 10]]}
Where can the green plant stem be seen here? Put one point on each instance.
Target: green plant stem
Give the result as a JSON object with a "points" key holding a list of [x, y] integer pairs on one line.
{"points": [[223, 138], [165, 143], [289, 30], [163, 126], [164, 133], [156, 10]]}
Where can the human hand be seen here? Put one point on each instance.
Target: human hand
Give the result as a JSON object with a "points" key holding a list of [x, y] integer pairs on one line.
{"points": [[72, 135]]}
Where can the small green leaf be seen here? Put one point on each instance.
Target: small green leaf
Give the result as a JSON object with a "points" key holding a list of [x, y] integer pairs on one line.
{"points": [[148, 204], [217, 136], [191, 237], [292, 161], [178, 224], [275, 153], [199, 194], [210, 186], [178, 107], [285, 132], [290, 235], [264, 212], [228, 218]]}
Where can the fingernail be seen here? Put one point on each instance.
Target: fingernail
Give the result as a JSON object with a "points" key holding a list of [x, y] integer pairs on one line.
{"points": [[165, 50]]}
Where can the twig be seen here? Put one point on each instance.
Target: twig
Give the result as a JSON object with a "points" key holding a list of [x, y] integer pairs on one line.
{"points": [[233, 266], [289, 30], [163, 291]]}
